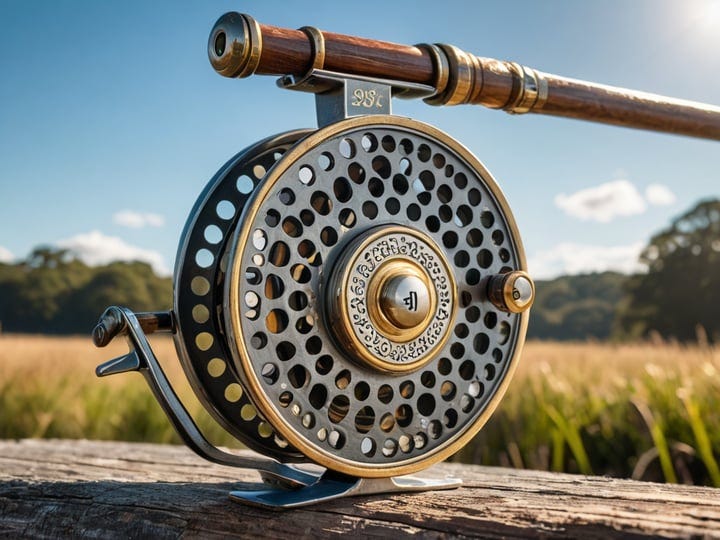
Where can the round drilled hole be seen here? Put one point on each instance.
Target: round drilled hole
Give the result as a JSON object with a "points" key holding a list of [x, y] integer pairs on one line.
{"points": [[326, 161], [407, 389], [298, 375], [435, 429], [213, 234], [342, 190], [321, 203], [306, 175], [392, 205], [448, 390], [381, 166], [457, 350], [474, 197], [342, 379], [487, 219], [305, 324], [450, 239], [204, 258], [347, 218], [387, 422], [318, 396], [369, 142], [313, 345], [369, 209], [400, 184], [390, 447], [427, 379], [300, 273], [376, 187], [484, 258], [444, 194], [481, 343], [285, 351], [413, 212], [368, 447], [272, 218], [244, 184], [346, 148], [450, 418], [385, 393], [388, 143], [432, 223], [362, 391], [270, 373], [279, 254], [338, 409], [258, 340], [225, 210], [444, 366], [292, 227], [424, 153], [464, 215], [274, 287], [287, 196], [460, 181], [329, 236], [356, 173], [467, 370], [297, 301], [426, 404], [365, 419], [404, 415], [276, 321], [324, 364]]}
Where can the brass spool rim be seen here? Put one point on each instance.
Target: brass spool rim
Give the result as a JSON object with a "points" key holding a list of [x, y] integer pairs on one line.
{"points": [[242, 357]]}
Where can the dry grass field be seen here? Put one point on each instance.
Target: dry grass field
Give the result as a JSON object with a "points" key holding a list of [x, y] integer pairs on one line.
{"points": [[647, 410]]}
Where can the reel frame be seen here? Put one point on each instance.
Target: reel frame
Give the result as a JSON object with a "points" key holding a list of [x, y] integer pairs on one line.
{"points": [[292, 487]]}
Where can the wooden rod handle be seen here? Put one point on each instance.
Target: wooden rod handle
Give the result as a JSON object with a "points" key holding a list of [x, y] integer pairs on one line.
{"points": [[239, 46]]}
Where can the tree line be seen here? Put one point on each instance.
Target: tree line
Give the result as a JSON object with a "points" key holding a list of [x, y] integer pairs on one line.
{"points": [[677, 298], [53, 292]]}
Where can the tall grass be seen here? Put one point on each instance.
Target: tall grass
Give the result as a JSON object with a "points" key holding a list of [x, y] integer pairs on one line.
{"points": [[649, 411]]}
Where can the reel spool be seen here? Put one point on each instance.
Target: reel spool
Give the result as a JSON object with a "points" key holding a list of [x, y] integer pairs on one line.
{"points": [[354, 296]]}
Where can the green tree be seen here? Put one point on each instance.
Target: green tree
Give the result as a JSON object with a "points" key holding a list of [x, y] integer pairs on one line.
{"points": [[681, 289]]}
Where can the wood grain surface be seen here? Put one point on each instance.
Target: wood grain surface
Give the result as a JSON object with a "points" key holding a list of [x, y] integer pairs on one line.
{"points": [[60, 488]]}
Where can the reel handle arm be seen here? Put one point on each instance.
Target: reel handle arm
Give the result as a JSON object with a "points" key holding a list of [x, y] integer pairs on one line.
{"points": [[112, 324], [122, 321], [239, 46]]}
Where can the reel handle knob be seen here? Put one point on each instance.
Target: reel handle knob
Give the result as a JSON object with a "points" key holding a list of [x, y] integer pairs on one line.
{"points": [[513, 292]]}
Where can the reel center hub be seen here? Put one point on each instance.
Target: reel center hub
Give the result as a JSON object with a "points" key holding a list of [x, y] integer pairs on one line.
{"points": [[405, 297], [392, 298]]}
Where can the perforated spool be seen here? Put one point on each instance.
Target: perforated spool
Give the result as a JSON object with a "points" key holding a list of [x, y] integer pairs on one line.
{"points": [[333, 186], [199, 295]]}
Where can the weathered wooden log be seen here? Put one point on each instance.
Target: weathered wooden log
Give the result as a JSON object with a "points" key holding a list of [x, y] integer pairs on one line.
{"points": [[106, 489]]}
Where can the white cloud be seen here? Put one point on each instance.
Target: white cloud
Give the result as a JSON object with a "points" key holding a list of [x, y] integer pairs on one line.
{"points": [[659, 195], [6, 256], [570, 258], [138, 220], [604, 202], [95, 248]]}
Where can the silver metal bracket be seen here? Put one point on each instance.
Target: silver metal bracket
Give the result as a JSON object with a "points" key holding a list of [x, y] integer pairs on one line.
{"points": [[339, 96], [334, 486]]}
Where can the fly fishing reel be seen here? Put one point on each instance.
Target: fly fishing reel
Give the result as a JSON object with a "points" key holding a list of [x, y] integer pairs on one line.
{"points": [[354, 296]]}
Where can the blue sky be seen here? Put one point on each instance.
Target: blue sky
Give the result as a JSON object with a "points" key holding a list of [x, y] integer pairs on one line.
{"points": [[112, 121]]}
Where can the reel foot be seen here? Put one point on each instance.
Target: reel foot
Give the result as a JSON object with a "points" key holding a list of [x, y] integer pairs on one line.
{"points": [[331, 486]]}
